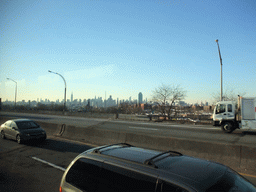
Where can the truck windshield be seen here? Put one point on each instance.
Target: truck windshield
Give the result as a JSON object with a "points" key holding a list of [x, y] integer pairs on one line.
{"points": [[220, 108]]}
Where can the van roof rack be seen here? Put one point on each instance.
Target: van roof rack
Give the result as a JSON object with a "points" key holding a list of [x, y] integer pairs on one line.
{"points": [[98, 149], [151, 162]]}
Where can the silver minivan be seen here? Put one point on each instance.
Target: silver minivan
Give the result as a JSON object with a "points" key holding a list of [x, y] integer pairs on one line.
{"points": [[122, 167]]}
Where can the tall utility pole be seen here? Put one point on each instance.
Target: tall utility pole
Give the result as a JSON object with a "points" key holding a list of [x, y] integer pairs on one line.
{"points": [[105, 100], [15, 90], [65, 91], [221, 97]]}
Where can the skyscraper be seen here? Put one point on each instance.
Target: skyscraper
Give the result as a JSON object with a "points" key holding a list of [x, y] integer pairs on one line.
{"points": [[72, 97], [140, 98]]}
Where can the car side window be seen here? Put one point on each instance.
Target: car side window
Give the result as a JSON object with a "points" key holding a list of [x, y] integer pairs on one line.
{"points": [[13, 125], [84, 174], [229, 108], [116, 178]]}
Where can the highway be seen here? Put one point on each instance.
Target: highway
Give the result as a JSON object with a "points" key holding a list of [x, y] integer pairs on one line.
{"points": [[40, 167], [183, 131]]}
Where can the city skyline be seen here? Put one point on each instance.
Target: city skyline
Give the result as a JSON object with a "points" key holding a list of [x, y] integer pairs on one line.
{"points": [[46, 100], [85, 101], [121, 48]]}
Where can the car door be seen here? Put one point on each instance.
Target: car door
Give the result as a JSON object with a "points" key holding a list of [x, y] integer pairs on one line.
{"points": [[6, 129], [220, 111], [13, 130]]}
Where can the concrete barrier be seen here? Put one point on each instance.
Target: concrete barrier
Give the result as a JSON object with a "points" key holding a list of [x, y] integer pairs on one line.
{"points": [[93, 135], [239, 158], [51, 128], [248, 158]]}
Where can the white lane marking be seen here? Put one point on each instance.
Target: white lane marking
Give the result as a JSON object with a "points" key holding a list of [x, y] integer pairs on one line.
{"points": [[51, 164], [193, 127], [143, 128], [170, 125]]}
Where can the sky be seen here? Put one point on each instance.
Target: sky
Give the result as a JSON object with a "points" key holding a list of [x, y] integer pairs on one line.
{"points": [[123, 47]]}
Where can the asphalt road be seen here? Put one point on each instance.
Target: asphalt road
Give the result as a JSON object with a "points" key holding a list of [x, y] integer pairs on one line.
{"points": [[188, 131], [20, 169]]}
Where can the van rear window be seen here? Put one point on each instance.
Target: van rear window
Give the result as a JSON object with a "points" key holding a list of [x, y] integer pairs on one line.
{"points": [[84, 174]]}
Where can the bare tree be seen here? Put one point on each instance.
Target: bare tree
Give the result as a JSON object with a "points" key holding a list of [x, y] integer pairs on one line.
{"points": [[166, 95], [229, 95]]}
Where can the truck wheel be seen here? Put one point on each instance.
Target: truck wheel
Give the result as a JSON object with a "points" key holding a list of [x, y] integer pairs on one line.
{"points": [[227, 127]]}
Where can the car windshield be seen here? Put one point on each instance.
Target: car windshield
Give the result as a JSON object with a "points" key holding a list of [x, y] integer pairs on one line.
{"points": [[230, 182], [26, 124]]}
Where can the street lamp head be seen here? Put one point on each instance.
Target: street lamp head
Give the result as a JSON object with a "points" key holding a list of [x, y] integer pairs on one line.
{"points": [[65, 87], [217, 40]]}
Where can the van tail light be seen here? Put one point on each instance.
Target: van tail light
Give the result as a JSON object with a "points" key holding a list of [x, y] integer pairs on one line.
{"points": [[60, 189]]}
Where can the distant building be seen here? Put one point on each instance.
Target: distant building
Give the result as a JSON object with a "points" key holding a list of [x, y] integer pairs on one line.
{"points": [[182, 103], [140, 98], [72, 97], [110, 102]]}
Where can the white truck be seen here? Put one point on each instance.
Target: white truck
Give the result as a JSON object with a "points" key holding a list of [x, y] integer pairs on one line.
{"points": [[232, 115]]}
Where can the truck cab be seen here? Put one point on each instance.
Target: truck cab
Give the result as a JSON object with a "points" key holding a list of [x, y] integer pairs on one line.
{"points": [[231, 115], [224, 115]]}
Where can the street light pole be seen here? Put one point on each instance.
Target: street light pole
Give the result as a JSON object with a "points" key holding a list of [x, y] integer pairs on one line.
{"points": [[65, 88], [15, 90], [220, 70]]}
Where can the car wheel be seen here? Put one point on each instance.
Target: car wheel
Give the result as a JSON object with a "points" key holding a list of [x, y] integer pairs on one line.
{"points": [[18, 139], [43, 139], [227, 127], [3, 135]]}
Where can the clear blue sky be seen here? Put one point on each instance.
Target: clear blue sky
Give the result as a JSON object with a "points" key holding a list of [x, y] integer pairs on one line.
{"points": [[125, 47]]}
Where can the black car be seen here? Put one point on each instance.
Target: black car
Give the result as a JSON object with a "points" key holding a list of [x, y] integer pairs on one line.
{"points": [[122, 167], [22, 130]]}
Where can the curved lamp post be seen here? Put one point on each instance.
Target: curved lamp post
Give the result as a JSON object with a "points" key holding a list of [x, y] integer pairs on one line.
{"points": [[15, 89], [65, 88], [220, 70]]}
